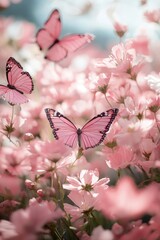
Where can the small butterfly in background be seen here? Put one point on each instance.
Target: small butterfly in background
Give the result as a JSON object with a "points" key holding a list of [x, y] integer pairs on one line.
{"points": [[56, 49], [19, 83], [89, 136]]}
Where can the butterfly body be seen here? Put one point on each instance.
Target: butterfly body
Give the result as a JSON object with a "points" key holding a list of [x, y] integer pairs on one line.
{"points": [[13, 87], [55, 42], [19, 83], [79, 132], [89, 136], [54, 48]]}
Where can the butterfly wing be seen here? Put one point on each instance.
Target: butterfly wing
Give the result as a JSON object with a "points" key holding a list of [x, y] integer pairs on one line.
{"points": [[63, 128], [44, 39], [13, 71], [66, 45], [3, 89], [14, 97], [73, 42], [53, 24], [49, 34], [94, 131], [56, 53], [22, 81], [48, 39]]}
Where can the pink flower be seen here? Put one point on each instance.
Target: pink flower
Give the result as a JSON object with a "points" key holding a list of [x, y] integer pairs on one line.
{"points": [[101, 234], [133, 131], [122, 157], [99, 83], [38, 174], [147, 147], [28, 223], [141, 43], [53, 151], [123, 61], [84, 202], [50, 206], [88, 180], [15, 161], [32, 115], [8, 230], [153, 16], [9, 185], [119, 60], [53, 81], [153, 81], [33, 219], [149, 231], [123, 90], [20, 32], [136, 106], [48, 157], [154, 106], [120, 29], [126, 201], [14, 128]]}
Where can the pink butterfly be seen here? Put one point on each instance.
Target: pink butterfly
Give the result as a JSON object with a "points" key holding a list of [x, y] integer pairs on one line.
{"points": [[89, 136], [48, 39], [19, 83]]}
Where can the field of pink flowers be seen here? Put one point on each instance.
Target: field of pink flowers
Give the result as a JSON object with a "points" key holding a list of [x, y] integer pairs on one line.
{"points": [[51, 191]]}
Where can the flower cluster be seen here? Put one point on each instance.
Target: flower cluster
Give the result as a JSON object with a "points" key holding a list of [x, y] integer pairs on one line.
{"points": [[51, 191]]}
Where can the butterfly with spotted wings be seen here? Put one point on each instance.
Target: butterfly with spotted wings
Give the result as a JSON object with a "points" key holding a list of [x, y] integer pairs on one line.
{"points": [[89, 136], [19, 83], [56, 49]]}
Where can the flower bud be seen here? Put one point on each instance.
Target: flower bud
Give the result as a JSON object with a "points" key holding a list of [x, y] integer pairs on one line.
{"points": [[28, 137], [29, 184]]}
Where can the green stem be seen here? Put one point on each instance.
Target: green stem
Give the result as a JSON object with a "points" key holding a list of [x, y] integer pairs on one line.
{"points": [[107, 101], [11, 123], [57, 234], [157, 126]]}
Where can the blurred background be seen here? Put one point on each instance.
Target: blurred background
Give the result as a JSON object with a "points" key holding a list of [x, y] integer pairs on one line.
{"points": [[93, 16]]}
